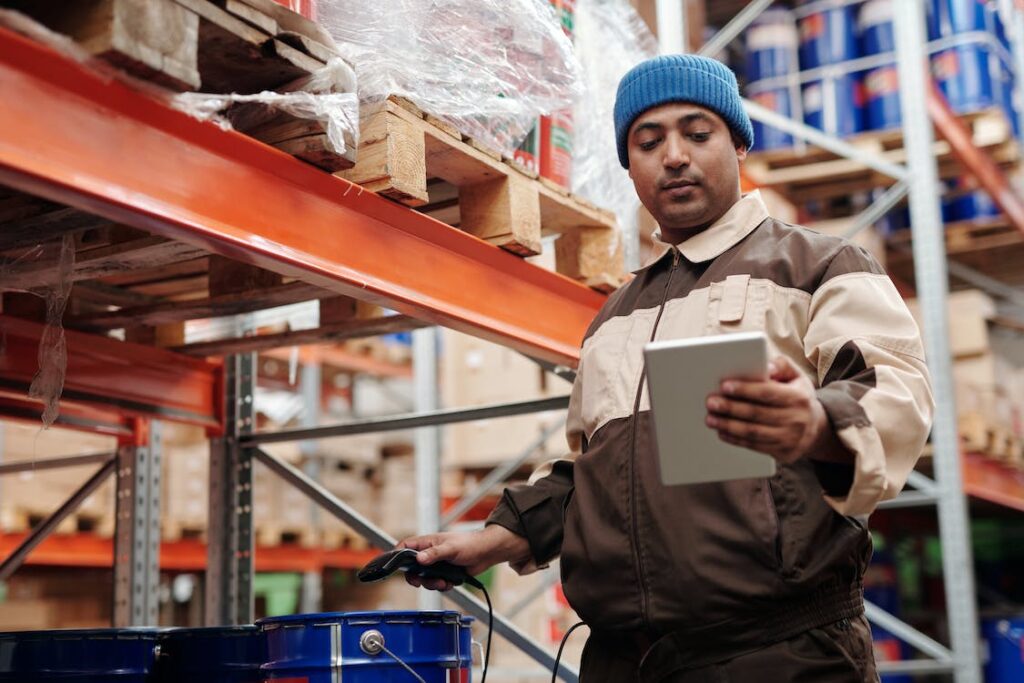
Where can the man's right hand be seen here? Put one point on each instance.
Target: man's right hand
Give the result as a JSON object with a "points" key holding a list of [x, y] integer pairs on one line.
{"points": [[474, 550]]}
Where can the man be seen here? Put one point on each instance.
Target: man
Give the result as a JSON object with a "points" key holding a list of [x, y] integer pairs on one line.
{"points": [[753, 580]]}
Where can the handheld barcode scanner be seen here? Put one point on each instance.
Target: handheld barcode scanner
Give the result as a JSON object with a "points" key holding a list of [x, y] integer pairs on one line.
{"points": [[404, 559]]}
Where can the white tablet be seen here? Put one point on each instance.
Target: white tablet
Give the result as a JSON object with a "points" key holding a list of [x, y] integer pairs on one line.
{"points": [[681, 374]]}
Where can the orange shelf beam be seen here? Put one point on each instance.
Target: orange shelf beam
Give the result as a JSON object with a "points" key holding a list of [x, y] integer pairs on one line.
{"points": [[106, 377], [993, 481], [85, 140], [337, 357], [89, 550]]}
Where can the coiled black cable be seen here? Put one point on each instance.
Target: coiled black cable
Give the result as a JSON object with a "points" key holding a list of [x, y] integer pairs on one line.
{"points": [[558, 657]]}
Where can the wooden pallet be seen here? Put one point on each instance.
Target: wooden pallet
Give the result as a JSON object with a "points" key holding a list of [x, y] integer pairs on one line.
{"points": [[218, 46], [20, 520], [990, 245], [271, 536], [420, 161], [178, 530], [333, 539], [814, 173], [979, 434]]}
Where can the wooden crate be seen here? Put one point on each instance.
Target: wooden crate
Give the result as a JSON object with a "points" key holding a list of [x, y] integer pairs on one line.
{"points": [[418, 160], [814, 173]]}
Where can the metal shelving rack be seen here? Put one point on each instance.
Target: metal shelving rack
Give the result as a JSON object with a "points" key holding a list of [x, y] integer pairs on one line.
{"points": [[266, 197]]}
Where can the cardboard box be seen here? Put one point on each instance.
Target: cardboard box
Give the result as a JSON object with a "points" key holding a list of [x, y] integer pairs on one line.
{"points": [[869, 238], [969, 312], [29, 495]]}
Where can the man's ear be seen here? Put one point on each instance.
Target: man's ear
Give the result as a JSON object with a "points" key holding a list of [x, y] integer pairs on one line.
{"points": [[741, 152]]}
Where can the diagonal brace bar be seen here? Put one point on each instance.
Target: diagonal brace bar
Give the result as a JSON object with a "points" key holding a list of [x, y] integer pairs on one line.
{"points": [[907, 633], [46, 527], [823, 140], [54, 463], [382, 540], [427, 419], [497, 476], [883, 205], [735, 27]]}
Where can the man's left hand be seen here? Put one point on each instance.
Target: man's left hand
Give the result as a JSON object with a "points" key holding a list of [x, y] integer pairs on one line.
{"points": [[781, 416]]}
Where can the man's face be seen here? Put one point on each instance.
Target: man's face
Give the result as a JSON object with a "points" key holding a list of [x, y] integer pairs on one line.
{"points": [[685, 167]]}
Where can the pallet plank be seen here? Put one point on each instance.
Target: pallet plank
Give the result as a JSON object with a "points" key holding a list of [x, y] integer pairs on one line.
{"points": [[156, 40], [135, 254], [214, 306]]}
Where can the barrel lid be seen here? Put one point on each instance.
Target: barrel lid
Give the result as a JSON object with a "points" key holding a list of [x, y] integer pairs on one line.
{"points": [[210, 632], [362, 617], [135, 633]]}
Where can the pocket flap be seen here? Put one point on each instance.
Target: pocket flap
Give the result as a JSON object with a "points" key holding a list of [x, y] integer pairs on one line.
{"points": [[734, 299]]}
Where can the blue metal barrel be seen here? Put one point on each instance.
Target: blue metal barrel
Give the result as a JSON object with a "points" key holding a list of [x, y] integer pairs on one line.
{"points": [[964, 75], [835, 104], [1005, 639], [771, 45], [778, 100], [229, 654], [828, 36], [323, 647], [79, 656], [875, 25], [949, 17], [882, 98]]}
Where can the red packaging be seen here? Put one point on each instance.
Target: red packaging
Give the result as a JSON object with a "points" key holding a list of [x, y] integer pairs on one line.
{"points": [[306, 8], [556, 130]]}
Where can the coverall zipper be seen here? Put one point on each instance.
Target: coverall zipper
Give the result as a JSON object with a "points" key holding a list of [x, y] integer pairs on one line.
{"points": [[644, 607]]}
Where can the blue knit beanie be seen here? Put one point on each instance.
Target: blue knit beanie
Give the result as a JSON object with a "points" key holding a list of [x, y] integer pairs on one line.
{"points": [[679, 78]]}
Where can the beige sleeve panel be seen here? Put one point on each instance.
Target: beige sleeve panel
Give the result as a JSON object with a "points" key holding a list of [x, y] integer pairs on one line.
{"points": [[874, 383], [574, 429]]}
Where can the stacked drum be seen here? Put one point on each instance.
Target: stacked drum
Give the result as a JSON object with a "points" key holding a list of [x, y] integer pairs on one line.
{"points": [[357, 647]]}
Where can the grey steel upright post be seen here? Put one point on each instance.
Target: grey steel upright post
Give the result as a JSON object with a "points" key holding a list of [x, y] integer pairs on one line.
{"points": [[137, 532], [1014, 18], [310, 386], [932, 288], [428, 446], [229, 565]]}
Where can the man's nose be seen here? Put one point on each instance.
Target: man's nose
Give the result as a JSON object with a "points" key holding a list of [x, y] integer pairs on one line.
{"points": [[677, 153]]}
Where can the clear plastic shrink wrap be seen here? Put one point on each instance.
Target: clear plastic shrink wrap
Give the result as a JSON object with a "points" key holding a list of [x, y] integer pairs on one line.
{"points": [[45, 270], [489, 67], [611, 38]]}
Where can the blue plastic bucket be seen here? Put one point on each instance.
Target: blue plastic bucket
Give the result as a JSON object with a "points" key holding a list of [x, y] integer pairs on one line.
{"points": [[834, 105], [828, 37], [229, 654], [779, 100], [882, 98], [771, 45], [875, 25], [78, 656], [318, 648], [1005, 639], [964, 75]]}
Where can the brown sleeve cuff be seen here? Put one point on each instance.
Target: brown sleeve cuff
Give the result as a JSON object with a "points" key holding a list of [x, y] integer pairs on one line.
{"points": [[843, 410], [534, 511]]}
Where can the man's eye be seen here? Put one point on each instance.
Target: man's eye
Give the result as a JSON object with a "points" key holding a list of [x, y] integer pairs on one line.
{"points": [[700, 137], [648, 145]]}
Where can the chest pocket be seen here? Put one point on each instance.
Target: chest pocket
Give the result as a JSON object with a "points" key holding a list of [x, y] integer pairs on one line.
{"points": [[736, 305]]}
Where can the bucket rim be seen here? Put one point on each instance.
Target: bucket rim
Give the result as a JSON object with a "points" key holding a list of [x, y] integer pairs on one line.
{"points": [[363, 614]]}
